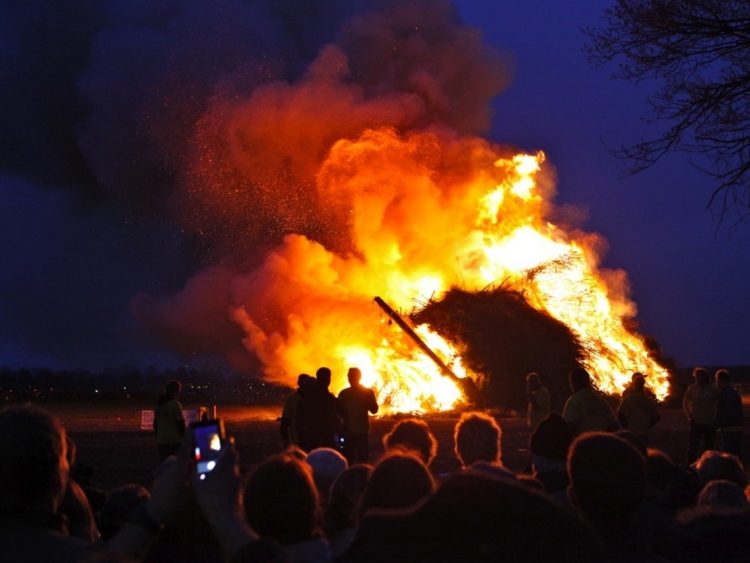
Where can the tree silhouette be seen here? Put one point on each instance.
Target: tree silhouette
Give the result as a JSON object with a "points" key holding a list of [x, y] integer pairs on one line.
{"points": [[699, 50]]}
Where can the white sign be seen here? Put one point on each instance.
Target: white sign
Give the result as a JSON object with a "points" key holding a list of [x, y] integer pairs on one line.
{"points": [[147, 419]]}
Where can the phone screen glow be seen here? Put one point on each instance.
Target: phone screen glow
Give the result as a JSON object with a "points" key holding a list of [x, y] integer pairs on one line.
{"points": [[207, 448]]}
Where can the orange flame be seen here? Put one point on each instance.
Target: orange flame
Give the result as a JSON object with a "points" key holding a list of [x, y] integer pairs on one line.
{"points": [[428, 211]]}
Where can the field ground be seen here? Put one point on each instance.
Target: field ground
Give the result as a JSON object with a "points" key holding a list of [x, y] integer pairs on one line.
{"points": [[109, 438]]}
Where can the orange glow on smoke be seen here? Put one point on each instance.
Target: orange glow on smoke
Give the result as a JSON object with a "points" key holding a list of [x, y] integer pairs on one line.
{"points": [[426, 212]]}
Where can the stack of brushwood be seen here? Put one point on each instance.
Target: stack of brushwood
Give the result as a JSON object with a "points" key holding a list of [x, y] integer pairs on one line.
{"points": [[504, 338]]}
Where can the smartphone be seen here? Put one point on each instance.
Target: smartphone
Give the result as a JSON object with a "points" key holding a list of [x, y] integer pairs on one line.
{"points": [[208, 439]]}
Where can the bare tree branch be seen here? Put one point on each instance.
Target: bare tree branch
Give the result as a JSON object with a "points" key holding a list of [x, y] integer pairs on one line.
{"points": [[699, 51]]}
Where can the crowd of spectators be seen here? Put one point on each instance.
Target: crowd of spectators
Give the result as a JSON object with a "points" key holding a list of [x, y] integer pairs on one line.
{"points": [[587, 496]]}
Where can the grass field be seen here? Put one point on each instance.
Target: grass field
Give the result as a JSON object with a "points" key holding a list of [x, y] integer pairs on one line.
{"points": [[109, 438]]}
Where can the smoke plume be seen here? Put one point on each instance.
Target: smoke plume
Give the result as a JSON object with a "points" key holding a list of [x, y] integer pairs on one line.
{"points": [[195, 130]]}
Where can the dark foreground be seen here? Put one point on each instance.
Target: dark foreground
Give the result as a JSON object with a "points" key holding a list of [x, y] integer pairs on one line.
{"points": [[110, 441]]}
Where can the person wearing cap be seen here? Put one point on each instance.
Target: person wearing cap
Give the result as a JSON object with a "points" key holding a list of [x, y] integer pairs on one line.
{"points": [[630, 387], [638, 412], [539, 401]]}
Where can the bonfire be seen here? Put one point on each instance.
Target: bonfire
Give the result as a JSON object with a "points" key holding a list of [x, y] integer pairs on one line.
{"points": [[366, 176]]}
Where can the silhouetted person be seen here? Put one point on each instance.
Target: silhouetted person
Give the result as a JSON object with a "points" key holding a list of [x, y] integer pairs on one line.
{"points": [[711, 535], [638, 412], [473, 517], [326, 464], [34, 472], [539, 400], [412, 434], [356, 401], [548, 449], [671, 487], [220, 499], [586, 410], [281, 503], [477, 438], [722, 493], [699, 403], [318, 416], [341, 514], [607, 485], [169, 424], [288, 427], [33, 479], [729, 416], [713, 465], [630, 387], [400, 479]]}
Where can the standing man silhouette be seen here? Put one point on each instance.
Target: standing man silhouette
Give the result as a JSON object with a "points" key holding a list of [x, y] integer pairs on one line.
{"points": [[638, 411], [356, 401], [169, 424], [318, 417], [288, 427]]}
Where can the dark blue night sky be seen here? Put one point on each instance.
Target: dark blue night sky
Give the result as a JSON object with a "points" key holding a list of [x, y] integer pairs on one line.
{"points": [[83, 226]]}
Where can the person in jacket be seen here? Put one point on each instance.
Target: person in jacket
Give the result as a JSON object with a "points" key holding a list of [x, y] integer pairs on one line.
{"points": [[318, 418], [700, 403], [638, 411], [356, 401], [169, 424], [288, 423], [586, 410]]}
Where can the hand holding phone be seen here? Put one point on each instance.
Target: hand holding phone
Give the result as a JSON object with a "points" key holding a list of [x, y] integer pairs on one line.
{"points": [[208, 439]]}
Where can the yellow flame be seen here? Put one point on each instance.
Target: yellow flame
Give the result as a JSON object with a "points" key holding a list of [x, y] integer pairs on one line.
{"points": [[427, 214], [566, 285], [404, 378]]}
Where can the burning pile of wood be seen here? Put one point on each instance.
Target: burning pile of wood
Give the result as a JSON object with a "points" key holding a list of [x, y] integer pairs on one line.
{"points": [[505, 338]]}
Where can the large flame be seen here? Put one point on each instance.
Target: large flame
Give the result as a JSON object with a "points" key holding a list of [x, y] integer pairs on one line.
{"points": [[428, 211]]}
